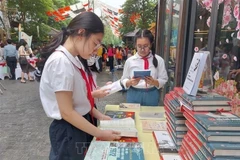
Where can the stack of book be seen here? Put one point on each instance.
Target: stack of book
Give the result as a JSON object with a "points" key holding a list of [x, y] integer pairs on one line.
{"points": [[213, 131], [175, 119]]}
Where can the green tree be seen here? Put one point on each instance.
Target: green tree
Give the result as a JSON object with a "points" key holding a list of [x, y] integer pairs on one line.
{"points": [[110, 38], [33, 13], [145, 8]]}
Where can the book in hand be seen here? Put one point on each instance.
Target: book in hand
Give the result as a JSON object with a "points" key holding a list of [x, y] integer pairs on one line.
{"points": [[126, 126], [152, 115], [135, 106], [120, 114], [113, 87], [151, 125], [141, 74], [164, 142], [105, 150]]}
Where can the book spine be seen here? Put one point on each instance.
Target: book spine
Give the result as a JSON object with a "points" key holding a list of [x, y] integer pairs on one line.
{"points": [[189, 150]]}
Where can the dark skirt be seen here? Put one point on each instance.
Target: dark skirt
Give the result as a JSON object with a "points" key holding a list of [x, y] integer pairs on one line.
{"points": [[26, 68], [67, 141]]}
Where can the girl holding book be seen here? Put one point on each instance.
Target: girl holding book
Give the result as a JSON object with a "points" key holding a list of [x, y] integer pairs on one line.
{"points": [[65, 90], [144, 90]]}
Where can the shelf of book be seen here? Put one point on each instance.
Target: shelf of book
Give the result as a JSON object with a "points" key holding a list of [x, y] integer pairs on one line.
{"points": [[149, 145]]}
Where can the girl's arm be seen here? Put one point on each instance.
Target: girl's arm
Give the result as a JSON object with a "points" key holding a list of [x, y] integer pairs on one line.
{"points": [[64, 99]]}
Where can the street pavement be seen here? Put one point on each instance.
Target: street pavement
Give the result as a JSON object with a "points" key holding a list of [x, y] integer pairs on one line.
{"points": [[23, 123]]}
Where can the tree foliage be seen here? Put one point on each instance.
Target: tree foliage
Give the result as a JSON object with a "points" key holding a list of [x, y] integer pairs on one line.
{"points": [[110, 38], [31, 13], [145, 8]]}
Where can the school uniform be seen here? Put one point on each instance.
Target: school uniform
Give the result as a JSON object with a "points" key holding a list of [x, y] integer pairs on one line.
{"points": [[61, 73], [145, 94]]}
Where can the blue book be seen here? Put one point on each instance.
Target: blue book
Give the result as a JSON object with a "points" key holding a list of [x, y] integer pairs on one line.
{"points": [[206, 99], [105, 150], [176, 120], [141, 74], [218, 136], [215, 121]]}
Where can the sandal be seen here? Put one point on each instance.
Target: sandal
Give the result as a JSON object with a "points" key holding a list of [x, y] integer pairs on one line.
{"points": [[22, 81], [31, 80]]}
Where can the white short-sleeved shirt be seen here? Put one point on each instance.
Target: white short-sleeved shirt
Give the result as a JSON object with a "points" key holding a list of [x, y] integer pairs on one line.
{"points": [[136, 62], [61, 73]]}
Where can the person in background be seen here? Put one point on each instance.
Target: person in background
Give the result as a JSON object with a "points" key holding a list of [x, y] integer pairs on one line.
{"points": [[99, 54], [1, 51], [144, 91], [65, 91], [110, 59], [10, 55], [24, 64]]}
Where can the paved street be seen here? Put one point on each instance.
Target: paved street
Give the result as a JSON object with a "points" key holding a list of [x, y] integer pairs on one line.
{"points": [[23, 123]]}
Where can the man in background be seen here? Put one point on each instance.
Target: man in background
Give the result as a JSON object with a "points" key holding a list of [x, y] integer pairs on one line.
{"points": [[10, 55]]}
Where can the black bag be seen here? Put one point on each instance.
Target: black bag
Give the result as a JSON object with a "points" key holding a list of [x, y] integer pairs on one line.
{"points": [[23, 60]]}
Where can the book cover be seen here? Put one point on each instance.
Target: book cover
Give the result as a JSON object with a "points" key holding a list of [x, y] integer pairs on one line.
{"points": [[173, 107], [124, 139], [182, 153], [176, 127], [120, 114], [125, 126], [190, 150], [178, 134], [170, 157], [152, 115], [195, 71], [207, 99], [217, 136], [216, 121], [176, 120], [177, 141], [141, 74], [164, 142], [187, 152], [175, 103], [194, 147], [151, 125], [216, 148], [134, 106], [103, 150]]}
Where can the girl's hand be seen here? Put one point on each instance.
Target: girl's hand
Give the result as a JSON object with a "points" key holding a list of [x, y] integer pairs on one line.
{"points": [[104, 117], [100, 93], [133, 82], [151, 81], [109, 135]]}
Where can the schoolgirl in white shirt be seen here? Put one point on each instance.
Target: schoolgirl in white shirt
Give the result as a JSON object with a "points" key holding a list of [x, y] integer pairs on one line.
{"points": [[65, 91], [144, 91]]}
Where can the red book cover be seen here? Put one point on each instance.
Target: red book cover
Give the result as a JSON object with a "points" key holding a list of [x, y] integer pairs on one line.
{"points": [[182, 154], [124, 139], [184, 148]]}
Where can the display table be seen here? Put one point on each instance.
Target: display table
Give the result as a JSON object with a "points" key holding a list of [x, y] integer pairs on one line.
{"points": [[149, 144]]}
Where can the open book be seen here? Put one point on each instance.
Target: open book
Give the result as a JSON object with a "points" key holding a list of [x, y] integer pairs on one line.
{"points": [[126, 126], [113, 87]]}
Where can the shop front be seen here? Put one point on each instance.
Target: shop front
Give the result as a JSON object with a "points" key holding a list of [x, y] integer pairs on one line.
{"points": [[188, 26]]}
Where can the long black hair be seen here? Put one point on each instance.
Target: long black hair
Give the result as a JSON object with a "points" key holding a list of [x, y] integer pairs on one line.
{"points": [[147, 34], [88, 21]]}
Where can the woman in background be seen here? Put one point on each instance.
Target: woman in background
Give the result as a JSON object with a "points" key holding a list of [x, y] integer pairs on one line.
{"points": [[26, 67]]}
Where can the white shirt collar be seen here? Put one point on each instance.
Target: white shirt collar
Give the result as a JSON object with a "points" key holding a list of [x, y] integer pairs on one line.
{"points": [[73, 59], [137, 56]]}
